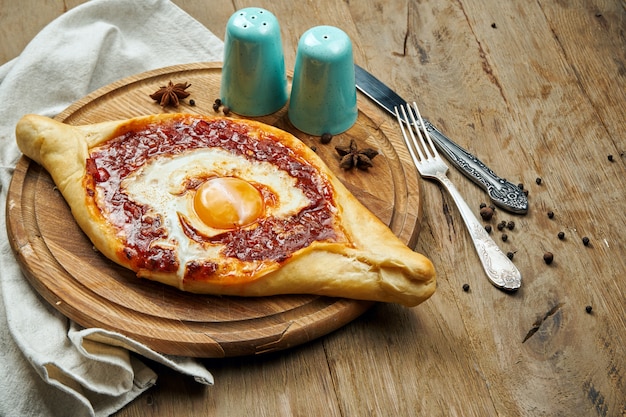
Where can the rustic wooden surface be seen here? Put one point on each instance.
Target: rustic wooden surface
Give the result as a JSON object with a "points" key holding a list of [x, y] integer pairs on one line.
{"points": [[536, 90]]}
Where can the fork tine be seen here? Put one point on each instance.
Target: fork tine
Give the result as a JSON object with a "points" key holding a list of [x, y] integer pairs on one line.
{"points": [[422, 132], [411, 144], [414, 126], [416, 143]]}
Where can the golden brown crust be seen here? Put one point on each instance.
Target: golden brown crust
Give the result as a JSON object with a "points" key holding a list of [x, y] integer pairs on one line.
{"points": [[62, 150], [376, 265]]}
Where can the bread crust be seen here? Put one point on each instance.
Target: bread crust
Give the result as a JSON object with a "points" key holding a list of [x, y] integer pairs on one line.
{"points": [[375, 266]]}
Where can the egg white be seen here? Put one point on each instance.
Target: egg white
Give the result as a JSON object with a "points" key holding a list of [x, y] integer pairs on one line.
{"points": [[161, 185]]}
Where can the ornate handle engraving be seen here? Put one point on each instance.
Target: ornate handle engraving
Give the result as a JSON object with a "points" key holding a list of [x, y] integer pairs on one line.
{"points": [[503, 193], [499, 268]]}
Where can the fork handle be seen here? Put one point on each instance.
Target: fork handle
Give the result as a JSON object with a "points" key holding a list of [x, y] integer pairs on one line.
{"points": [[499, 268]]}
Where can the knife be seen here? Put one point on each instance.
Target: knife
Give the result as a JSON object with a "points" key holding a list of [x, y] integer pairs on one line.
{"points": [[504, 194]]}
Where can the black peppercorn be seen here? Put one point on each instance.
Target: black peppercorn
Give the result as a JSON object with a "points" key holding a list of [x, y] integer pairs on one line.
{"points": [[216, 107], [550, 214], [504, 237], [548, 257], [561, 235], [526, 193], [538, 181], [192, 102], [486, 213], [520, 186], [501, 225], [218, 102], [586, 241], [610, 157], [482, 205], [588, 309], [326, 138], [492, 207], [510, 225], [488, 228], [510, 255], [466, 287]]}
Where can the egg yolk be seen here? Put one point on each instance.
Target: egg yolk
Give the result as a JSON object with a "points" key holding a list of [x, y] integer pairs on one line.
{"points": [[227, 203]]}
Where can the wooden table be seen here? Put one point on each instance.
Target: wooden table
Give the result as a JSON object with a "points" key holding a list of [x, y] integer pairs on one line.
{"points": [[537, 90]]}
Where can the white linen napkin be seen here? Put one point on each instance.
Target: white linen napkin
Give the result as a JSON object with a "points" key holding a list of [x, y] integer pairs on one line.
{"points": [[49, 366]]}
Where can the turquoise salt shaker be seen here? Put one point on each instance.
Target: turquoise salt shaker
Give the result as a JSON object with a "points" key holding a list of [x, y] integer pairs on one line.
{"points": [[323, 92], [254, 81]]}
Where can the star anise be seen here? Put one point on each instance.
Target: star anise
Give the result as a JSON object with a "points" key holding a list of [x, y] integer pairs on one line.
{"points": [[351, 156], [170, 94]]}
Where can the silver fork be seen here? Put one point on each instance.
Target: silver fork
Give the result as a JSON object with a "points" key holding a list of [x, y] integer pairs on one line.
{"points": [[500, 270]]}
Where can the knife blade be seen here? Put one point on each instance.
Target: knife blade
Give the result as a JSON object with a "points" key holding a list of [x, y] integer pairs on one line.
{"points": [[503, 193]]}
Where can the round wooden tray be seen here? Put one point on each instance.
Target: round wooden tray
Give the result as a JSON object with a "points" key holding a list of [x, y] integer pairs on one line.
{"points": [[61, 264]]}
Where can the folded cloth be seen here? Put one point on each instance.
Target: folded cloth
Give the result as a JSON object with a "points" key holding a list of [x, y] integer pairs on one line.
{"points": [[49, 366]]}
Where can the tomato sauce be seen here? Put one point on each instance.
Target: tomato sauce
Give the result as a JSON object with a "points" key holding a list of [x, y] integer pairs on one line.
{"points": [[271, 239]]}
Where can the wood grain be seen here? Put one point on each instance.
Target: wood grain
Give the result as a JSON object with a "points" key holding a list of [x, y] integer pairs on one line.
{"points": [[534, 89], [62, 265]]}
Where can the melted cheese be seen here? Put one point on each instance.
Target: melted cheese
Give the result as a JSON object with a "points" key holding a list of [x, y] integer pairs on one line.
{"points": [[163, 185]]}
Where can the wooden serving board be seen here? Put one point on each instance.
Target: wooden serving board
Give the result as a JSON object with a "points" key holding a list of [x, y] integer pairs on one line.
{"points": [[61, 264]]}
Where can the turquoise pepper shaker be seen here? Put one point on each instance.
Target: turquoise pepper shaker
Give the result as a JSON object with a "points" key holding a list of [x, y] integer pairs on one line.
{"points": [[323, 92], [254, 81]]}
